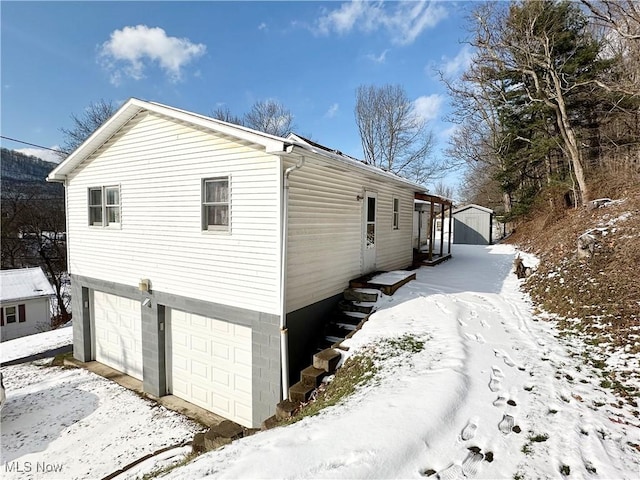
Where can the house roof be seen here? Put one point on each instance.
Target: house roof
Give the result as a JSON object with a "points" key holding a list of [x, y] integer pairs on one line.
{"points": [[473, 205], [23, 283], [271, 143]]}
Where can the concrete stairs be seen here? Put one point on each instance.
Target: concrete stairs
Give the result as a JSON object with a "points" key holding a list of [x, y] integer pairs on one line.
{"points": [[358, 303]]}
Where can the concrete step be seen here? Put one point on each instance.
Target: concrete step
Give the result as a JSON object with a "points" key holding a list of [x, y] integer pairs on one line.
{"points": [[326, 360], [299, 392], [285, 409], [361, 307], [361, 294], [335, 330], [312, 376]]}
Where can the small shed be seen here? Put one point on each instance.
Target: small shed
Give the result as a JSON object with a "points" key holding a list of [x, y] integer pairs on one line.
{"points": [[25, 294], [473, 225]]}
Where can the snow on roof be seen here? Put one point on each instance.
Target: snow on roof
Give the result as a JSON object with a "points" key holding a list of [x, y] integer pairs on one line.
{"points": [[24, 283], [473, 205], [271, 143]]}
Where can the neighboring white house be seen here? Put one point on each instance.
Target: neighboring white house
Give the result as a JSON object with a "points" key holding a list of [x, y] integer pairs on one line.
{"points": [[473, 225], [196, 246], [25, 294]]}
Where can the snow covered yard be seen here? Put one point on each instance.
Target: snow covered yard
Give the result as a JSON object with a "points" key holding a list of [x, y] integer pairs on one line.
{"points": [[485, 389], [67, 423], [493, 392]]}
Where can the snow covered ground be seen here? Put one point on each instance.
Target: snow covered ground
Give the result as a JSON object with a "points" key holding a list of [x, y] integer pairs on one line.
{"points": [[72, 424], [37, 343], [493, 393]]}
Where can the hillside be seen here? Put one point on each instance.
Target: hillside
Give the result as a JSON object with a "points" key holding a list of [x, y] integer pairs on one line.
{"points": [[596, 297], [20, 172]]}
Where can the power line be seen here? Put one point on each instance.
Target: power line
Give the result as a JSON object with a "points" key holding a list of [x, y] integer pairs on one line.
{"points": [[33, 145]]}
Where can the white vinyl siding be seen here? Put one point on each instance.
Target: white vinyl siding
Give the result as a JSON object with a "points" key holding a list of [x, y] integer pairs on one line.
{"points": [[160, 165], [326, 229], [36, 318]]}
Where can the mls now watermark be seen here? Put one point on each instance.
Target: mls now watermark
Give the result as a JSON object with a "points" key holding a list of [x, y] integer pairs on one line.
{"points": [[32, 467]]}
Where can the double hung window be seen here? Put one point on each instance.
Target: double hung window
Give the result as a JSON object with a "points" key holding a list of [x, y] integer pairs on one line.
{"points": [[104, 206], [216, 213]]}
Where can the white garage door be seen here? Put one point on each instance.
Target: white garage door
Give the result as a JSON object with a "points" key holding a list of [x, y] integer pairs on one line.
{"points": [[118, 327], [210, 365]]}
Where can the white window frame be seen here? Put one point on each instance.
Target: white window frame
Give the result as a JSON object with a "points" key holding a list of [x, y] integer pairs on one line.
{"points": [[204, 204], [395, 208], [6, 314], [105, 207]]}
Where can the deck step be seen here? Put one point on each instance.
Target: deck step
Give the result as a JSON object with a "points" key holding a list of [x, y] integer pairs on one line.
{"points": [[299, 392], [362, 307], [312, 376], [347, 326], [334, 330], [389, 282], [326, 360], [361, 294]]}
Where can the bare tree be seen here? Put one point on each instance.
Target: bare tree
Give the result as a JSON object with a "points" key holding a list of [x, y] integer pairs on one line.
{"points": [[444, 190], [224, 114], [85, 124], [270, 116], [393, 135]]}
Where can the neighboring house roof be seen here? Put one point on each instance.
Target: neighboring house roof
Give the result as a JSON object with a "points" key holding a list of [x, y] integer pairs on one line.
{"points": [[271, 143], [473, 205], [24, 283]]}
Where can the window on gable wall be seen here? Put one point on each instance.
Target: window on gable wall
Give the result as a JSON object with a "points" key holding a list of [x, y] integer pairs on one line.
{"points": [[215, 204], [396, 213], [11, 314], [104, 206]]}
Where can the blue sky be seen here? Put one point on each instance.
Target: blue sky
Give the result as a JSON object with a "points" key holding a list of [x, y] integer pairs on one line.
{"points": [[57, 57]]}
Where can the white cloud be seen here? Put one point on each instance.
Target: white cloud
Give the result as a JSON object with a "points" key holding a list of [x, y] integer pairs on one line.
{"points": [[262, 26], [333, 110], [380, 58], [129, 50], [454, 66], [404, 21], [41, 153], [428, 107]]}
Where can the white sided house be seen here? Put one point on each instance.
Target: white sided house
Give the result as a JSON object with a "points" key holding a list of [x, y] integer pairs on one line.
{"points": [[25, 295], [196, 246]]}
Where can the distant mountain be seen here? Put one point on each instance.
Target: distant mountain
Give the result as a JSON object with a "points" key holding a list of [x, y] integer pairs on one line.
{"points": [[24, 172]]}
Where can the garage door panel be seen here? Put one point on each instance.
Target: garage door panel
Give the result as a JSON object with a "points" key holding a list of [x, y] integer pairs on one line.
{"points": [[204, 355], [118, 333]]}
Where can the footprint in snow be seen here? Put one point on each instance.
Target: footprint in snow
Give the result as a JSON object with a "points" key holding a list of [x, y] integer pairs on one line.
{"points": [[477, 337], [495, 381], [469, 431], [506, 424], [506, 358], [452, 472], [471, 464], [462, 323], [500, 401], [484, 323]]}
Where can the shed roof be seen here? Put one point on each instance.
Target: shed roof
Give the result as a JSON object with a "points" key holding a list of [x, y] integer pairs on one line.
{"points": [[473, 205], [23, 283], [271, 143]]}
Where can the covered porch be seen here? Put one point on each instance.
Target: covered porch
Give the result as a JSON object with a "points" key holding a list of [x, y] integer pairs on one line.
{"points": [[432, 229]]}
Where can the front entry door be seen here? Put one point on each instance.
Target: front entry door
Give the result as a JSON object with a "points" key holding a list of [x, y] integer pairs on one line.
{"points": [[370, 232]]}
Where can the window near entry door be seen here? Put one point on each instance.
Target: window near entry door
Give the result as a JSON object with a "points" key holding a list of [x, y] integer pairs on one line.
{"points": [[215, 204], [396, 213], [104, 206]]}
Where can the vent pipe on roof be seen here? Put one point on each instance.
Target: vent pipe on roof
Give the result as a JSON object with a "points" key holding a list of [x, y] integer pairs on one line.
{"points": [[284, 332]]}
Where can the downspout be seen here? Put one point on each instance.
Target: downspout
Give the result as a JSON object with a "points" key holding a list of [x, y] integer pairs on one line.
{"points": [[284, 332]]}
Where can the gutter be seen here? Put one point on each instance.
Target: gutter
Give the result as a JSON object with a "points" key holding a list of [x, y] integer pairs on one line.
{"points": [[284, 332]]}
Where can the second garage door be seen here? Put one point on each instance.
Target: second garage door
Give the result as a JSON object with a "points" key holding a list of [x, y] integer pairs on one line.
{"points": [[210, 364], [118, 328]]}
